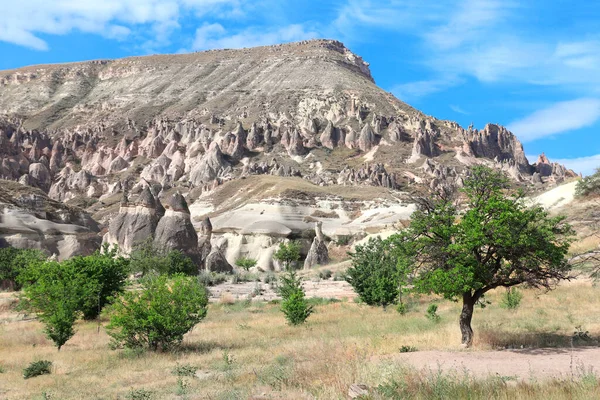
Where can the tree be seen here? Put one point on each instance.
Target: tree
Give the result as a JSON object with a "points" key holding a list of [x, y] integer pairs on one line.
{"points": [[287, 254], [13, 261], [378, 271], [54, 292], [498, 241], [294, 305], [106, 275], [245, 263], [158, 316], [589, 185]]}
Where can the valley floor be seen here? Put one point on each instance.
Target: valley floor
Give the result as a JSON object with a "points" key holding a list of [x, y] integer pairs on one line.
{"points": [[546, 349]]}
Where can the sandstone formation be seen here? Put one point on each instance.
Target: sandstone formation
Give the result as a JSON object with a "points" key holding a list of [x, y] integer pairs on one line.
{"points": [[175, 230], [318, 253], [30, 219]]}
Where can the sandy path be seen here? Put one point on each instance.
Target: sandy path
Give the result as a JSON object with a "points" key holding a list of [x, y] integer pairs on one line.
{"points": [[524, 364]]}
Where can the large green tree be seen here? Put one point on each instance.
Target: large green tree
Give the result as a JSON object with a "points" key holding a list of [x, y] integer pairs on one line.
{"points": [[462, 247]]}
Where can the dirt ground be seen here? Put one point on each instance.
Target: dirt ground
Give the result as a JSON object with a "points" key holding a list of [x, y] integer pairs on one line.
{"points": [[520, 364]]}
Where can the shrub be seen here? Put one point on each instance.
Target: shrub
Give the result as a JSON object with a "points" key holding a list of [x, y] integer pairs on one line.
{"points": [[160, 314], [245, 263], [325, 274], [106, 275], [287, 254], [37, 368], [139, 394], [407, 349], [210, 278], [294, 305], [13, 262], [56, 295], [432, 314], [184, 370], [147, 258], [374, 273], [339, 276], [402, 308], [590, 185], [511, 298]]}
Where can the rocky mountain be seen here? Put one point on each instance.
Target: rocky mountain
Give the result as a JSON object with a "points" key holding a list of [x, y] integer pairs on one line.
{"points": [[122, 137]]}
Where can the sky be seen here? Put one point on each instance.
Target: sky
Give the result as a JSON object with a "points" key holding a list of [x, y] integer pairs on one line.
{"points": [[533, 66]]}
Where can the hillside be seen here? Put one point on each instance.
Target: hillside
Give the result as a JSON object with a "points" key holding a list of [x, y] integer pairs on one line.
{"points": [[305, 115]]}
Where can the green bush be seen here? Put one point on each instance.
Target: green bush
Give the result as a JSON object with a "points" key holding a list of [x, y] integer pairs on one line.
{"points": [[37, 368], [158, 316], [432, 314], [245, 263], [139, 394], [294, 305], [13, 262], [96, 279], [210, 278], [107, 272], [375, 274], [588, 186], [512, 298], [147, 258], [184, 370], [287, 254], [56, 292]]}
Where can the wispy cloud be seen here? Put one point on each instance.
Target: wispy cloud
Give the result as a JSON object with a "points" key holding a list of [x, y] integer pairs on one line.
{"points": [[415, 90], [23, 23], [559, 118], [457, 109]]}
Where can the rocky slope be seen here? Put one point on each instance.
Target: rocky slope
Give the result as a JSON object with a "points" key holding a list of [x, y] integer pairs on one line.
{"points": [[306, 115]]}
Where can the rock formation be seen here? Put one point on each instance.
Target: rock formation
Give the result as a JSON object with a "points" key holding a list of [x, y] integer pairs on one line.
{"points": [[175, 230], [318, 253]]}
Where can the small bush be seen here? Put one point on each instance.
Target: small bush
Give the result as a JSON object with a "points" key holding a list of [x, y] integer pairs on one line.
{"points": [[13, 262], [407, 349], [294, 304], [245, 263], [512, 299], [402, 308], [184, 370], [343, 240], [147, 258], [288, 254], [325, 274], [339, 276], [270, 277], [374, 274], [139, 394], [432, 314], [37, 368], [158, 316], [588, 186], [209, 278]]}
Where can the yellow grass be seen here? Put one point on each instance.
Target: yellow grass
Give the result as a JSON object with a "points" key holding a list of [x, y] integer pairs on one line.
{"points": [[342, 343]]}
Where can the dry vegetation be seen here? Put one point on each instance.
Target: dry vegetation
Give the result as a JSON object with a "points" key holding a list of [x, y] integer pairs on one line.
{"points": [[245, 350]]}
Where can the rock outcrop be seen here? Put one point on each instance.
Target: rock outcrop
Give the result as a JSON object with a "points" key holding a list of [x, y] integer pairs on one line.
{"points": [[175, 231], [318, 253], [30, 219]]}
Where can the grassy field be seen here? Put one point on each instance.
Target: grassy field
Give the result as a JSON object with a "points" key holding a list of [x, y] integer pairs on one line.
{"points": [[245, 350]]}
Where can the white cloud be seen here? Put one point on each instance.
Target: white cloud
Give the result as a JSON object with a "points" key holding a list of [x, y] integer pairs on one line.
{"points": [[414, 90], [215, 36], [458, 109], [585, 165], [560, 117], [22, 23]]}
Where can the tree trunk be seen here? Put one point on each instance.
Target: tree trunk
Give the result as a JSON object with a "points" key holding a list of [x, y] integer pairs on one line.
{"points": [[465, 319]]}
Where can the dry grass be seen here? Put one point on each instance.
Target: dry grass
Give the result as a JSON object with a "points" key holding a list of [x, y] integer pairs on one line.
{"points": [[246, 349]]}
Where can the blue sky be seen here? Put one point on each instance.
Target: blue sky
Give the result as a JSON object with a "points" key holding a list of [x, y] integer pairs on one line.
{"points": [[533, 66]]}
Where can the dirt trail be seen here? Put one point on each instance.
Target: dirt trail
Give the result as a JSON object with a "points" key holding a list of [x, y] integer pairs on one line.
{"points": [[522, 364]]}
